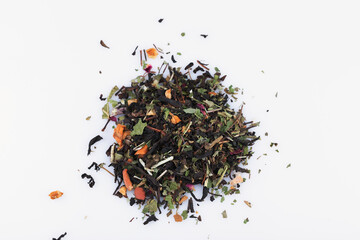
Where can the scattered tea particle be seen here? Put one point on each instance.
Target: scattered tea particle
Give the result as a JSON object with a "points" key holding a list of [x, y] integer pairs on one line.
{"points": [[169, 213], [85, 217], [151, 218], [273, 144], [93, 141], [179, 53], [258, 157], [222, 199], [199, 218], [182, 34], [91, 181], [178, 218], [204, 35], [262, 71], [266, 134], [95, 165], [61, 236], [212, 198], [160, 20], [189, 65], [246, 220], [267, 110], [88, 118], [134, 52], [276, 94], [100, 72], [145, 55], [55, 194], [103, 44], [217, 69], [248, 203], [173, 59], [289, 165], [131, 219], [102, 98], [277, 150], [259, 171], [184, 214], [224, 214], [190, 206]]}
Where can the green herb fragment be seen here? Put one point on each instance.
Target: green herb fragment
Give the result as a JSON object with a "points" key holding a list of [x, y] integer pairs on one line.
{"points": [[113, 91], [216, 69], [182, 34], [105, 111], [150, 207], [222, 199], [224, 214], [184, 214], [138, 128], [246, 220], [190, 110], [178, 53], [289, 165]]}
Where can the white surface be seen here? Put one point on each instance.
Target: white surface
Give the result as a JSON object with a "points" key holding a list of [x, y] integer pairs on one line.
{"points": [[49, 83]]}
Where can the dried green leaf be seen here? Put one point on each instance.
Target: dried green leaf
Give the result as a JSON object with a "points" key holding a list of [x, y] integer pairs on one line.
{"points": [[216, 69], [246, 220], [184, 214], [190, 110], [289, 165], [224, 214], [113, 91], [105, 111], [182, 34], [138, 128]]}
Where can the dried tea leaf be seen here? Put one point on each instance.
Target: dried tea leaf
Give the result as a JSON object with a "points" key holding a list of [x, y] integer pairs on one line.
{"points": [[224, 214], [61, 236], [105, 111], [289, 165], [93, 141], [182, 34], [113, 91], [138, 128], [88, 118], [150, 219], [248, 203], [184, 214], [246, 220], [103, 44]]}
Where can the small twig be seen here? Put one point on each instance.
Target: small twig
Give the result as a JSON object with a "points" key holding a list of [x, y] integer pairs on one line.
{"points": [[101, 165], [202, 65], [140, 58], [157, 130]]}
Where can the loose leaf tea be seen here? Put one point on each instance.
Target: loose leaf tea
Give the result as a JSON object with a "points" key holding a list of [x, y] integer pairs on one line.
{"points": [[172, 133], [55, 194], [103, 44], [61, 236], [91, 181]]}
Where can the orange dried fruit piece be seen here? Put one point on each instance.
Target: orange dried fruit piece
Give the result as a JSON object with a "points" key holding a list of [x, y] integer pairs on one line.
{"points": [[55, 194], [142, 151], [177, 218], [132, 101], [183, 199], [152, 53], [139, 193], [174, 119], [236, 180], [123, 191], [168, 93], [127, 180], [212, 93]]}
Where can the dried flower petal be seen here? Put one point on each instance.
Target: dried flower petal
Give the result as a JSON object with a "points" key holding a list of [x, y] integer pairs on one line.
{"points": [[123, 191], [168, 93], [127, 180], [248, 203], [213, 93], [152, 53], [190, 186], [139, 193], [55, 194], [152, 112], [148, 68], [177, 218], [142, 151]]}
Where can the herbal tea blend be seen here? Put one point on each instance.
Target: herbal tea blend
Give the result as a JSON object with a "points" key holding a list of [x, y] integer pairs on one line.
{"points": [[172, 133]]}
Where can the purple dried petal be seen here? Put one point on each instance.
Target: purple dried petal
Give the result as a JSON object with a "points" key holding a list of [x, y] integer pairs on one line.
{"points": [[113, 119], [115, 112], [148, 68], [190, 186], [237, 151], [202, 108]]}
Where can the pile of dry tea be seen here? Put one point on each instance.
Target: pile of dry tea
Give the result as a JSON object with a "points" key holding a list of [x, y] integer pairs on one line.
{"points": [[172, 132]]}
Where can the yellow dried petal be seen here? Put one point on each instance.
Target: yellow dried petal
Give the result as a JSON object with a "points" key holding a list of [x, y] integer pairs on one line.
{"points": [[123, 190], [132, 101], [168, 93]]}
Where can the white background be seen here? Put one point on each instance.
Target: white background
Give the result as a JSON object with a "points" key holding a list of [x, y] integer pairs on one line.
{"points": [[50, 59]]}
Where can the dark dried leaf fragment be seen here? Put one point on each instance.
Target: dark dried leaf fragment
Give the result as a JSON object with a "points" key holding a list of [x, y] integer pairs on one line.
{"points": [[93, 141], [173, 59], [160, 20], [103, 44], [134, 52], [189, 65], [102, 98], [61, 236], [151, 218], [91, 181], [95, 165], [204, 35]]}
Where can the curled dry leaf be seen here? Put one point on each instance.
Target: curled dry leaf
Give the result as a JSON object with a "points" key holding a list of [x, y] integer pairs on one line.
{"points": [[55, 194], [142, 151], [168, 93], [127, 180], [103, 44], [139, 193], [152, 53], [177, 218]]}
